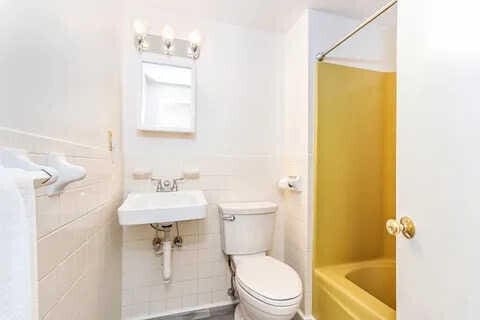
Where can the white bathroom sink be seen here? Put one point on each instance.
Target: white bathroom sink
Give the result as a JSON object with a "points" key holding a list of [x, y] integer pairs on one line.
{"points": [[162, 207]]}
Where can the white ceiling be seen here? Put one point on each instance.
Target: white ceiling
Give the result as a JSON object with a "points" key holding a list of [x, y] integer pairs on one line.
{"points": [[274, 15]]}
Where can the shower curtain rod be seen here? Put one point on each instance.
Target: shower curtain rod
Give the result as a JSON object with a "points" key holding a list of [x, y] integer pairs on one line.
{"points": [[320, 56]]}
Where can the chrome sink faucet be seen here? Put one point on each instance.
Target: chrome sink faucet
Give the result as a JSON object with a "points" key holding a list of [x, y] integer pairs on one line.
{"points": [[167, 185]]}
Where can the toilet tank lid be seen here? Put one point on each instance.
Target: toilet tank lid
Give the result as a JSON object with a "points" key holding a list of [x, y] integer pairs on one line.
{"points": [[248, 207]]}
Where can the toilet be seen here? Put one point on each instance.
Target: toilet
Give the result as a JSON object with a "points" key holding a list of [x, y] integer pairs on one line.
{"points": [[267, 288]]}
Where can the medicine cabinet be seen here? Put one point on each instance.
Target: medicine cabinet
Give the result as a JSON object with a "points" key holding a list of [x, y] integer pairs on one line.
{"points": [[168, 101]]}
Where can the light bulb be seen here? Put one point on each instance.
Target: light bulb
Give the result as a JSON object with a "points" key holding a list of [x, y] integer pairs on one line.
{"points": [[168, 33], [168, 37], [194, 50], [141, 30], [195, 38], [140, 27]]}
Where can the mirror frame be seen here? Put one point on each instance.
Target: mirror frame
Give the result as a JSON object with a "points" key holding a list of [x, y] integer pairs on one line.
{"points": [[175, 62]]}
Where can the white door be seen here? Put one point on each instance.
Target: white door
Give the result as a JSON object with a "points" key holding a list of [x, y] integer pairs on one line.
{"points": [[438, 159]]}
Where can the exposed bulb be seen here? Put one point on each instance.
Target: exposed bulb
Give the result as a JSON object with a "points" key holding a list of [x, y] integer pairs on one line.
{"points": [[194, 50], [140, 27], [168, 33], [195, 38]]}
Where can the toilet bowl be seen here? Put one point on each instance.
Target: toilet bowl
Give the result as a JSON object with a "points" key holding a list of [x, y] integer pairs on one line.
{"points": [[267, 289]]}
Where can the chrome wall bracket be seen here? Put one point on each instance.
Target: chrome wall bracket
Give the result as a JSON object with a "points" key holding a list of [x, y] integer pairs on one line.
{"points": [[176, 47]]}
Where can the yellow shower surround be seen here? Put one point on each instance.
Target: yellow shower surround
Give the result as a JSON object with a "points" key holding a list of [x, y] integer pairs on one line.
{"points": [[354, 190]]}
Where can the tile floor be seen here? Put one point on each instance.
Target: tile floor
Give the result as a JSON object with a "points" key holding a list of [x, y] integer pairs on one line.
{"points": [[216, 313]]}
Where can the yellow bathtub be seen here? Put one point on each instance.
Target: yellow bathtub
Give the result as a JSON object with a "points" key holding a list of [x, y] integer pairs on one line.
{"points": [[361, 291]]}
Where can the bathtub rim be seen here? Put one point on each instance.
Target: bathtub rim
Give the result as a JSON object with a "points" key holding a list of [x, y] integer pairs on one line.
{"points": [[351, 297]]}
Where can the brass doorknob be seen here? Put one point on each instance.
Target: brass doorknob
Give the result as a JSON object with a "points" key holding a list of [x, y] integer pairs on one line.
{"points": [[405, 226]]}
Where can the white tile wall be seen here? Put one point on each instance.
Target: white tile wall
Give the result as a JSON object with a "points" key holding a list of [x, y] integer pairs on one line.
{"points": [[294, 155], [298, 234], [234, 148], [78, 235], [60, 80], [250, 132], [200, 273]]}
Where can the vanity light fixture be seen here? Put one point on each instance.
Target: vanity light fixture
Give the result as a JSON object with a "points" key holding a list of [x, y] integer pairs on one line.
{"points": [[141, 29], [168, 38], [194, 49], [166, 43]]}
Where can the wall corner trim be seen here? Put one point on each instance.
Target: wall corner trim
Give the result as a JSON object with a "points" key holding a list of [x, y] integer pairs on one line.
{"points": [[301, 316]]}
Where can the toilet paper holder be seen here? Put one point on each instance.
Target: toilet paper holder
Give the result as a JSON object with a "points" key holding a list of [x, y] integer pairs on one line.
{"points": [[292, 183]]}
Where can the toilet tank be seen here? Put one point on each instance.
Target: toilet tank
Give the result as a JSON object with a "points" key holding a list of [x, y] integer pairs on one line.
{"points": [[247, 227]]}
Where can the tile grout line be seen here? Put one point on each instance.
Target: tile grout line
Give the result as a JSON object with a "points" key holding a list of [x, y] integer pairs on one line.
{"points": [[59, 228]]}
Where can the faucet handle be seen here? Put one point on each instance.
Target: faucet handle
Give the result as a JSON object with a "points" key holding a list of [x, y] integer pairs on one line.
{"points": [[158, 182], [175, 183]]}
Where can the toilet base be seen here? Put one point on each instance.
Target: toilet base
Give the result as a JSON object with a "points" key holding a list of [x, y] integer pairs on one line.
{"points": [[238, 314], [241, 314]]}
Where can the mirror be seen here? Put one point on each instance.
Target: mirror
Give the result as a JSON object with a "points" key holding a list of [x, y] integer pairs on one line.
{"points": [[168, 95]]}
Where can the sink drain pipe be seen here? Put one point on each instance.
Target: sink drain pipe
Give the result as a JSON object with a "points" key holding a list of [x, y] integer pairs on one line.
{"points": [[163, 247], [167, 255]]}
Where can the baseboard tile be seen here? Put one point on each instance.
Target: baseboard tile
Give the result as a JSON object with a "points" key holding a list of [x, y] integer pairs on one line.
{"points": [[300, 316], [206, 312]]}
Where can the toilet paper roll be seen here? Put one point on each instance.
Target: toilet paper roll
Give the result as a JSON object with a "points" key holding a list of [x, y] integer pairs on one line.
{"points": [[283, 183]]}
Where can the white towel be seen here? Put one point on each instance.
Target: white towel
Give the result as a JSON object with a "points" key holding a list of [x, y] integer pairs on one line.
{"points": [[18, 296]]}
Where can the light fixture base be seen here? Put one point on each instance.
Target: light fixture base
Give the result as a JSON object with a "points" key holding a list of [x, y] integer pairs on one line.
{"points": [[141, 43], [176, 47]]}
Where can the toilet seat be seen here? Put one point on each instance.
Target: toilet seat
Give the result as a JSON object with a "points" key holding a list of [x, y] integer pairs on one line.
{"points": [[268, 280]]}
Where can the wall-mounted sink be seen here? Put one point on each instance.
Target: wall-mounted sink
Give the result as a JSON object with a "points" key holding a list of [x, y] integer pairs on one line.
{"points": [[162, 207]]}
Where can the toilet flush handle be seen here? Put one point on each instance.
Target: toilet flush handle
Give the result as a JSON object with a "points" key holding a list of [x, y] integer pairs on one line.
{"points": [[228, 217]]}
